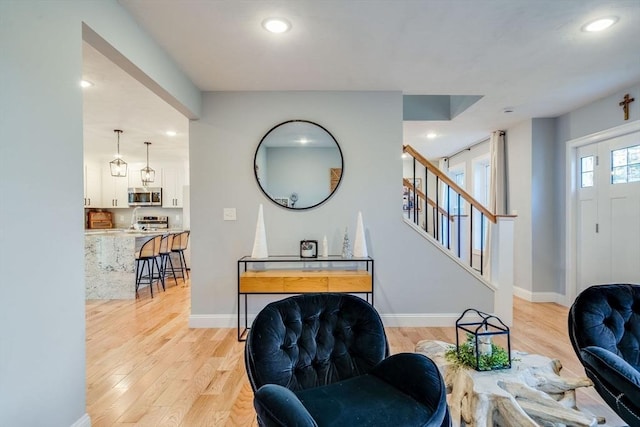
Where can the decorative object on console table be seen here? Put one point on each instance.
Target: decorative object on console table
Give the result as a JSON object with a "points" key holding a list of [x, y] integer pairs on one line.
{"points": [[360, 242], [346, 245], [478, 351], [308, 249], [325, 247], [260, 249]]}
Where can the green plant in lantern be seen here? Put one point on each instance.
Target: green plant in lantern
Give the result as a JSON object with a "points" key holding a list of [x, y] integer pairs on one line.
{"points": [[465, 356]]}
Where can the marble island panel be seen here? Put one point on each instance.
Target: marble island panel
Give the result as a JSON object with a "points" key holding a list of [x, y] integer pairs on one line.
{"points": [[110, 263]]}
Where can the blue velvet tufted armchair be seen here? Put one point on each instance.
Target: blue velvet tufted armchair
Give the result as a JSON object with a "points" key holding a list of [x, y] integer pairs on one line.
{"points": [[323, 360], [604, 329]]}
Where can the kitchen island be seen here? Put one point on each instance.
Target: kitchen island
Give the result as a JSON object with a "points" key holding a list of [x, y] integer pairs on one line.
{"points": [[110, 265]]}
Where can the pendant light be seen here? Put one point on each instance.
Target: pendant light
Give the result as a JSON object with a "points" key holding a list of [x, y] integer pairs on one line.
{"points": [[147, 174], [117, 165]]}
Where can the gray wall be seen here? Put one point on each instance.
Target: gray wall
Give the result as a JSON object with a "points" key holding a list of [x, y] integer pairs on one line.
{"points": [[536, 151], [597, 116], [544, 212], [305, 171], [42, 312], [412, 276], [518, 152]]}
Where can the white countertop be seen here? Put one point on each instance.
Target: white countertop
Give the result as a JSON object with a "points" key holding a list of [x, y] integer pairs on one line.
{"points": [[119, 232]]}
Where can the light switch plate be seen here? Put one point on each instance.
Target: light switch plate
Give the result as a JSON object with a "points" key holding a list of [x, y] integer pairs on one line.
{"points": [[229, 214]]}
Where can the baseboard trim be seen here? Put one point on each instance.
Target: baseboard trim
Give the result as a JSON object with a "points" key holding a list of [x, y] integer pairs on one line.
{"points": [[213, 321], [83, 421], [538, 296], [391, 320]]}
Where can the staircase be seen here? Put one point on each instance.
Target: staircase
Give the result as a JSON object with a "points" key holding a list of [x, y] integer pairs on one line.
{"points": [[450, 217]]}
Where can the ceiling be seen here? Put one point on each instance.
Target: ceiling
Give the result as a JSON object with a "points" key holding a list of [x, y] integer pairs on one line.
{"points": [[118, 101], [529, 56]]}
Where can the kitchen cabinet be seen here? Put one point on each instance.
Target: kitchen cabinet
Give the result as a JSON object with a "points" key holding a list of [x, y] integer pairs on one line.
{"points": [[92, 185], [114, 190], [173, 181]]}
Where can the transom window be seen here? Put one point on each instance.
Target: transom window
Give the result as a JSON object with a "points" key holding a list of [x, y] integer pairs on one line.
{"points": [[625, 165], [586, 171]]}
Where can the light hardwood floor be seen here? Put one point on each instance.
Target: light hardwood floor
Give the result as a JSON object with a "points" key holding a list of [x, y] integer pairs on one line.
{"points": [[146, 367]]}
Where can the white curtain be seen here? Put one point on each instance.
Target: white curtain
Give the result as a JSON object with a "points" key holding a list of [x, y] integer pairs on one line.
{"points": [[497, 189]]}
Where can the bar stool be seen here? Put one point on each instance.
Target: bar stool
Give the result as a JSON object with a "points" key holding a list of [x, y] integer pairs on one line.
{"points": [[180, 242], [148, 257], [165, 257]]}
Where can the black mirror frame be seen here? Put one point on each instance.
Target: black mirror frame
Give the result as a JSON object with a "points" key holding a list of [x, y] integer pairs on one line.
{"points": [[255, 158]]}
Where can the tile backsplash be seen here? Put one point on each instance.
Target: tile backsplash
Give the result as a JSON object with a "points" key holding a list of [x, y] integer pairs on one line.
{"points": [[122, 217]]}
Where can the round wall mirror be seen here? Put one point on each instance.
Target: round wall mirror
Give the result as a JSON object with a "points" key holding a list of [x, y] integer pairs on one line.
{"points": [[298, 164]]}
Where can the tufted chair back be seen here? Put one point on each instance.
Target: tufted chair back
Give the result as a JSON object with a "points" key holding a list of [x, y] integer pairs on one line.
{"points": [[311, 340], [608, 316]]}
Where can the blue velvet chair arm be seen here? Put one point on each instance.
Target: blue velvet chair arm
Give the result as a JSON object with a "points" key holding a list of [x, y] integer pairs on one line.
{"points": [[613, 369], [278, 406], [417, 376]]}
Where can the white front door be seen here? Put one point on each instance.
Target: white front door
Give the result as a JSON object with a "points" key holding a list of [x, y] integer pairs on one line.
{"points": [[608, 212]]}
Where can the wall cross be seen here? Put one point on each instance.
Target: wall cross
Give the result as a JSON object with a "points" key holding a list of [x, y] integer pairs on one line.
{"points": [[625, 105]]}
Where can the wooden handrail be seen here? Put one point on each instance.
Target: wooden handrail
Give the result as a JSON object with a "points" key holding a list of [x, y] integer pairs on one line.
{"points": [[444, 178], [423, 196]]}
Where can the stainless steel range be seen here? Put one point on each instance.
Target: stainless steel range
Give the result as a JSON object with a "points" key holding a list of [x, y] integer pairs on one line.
{"points": [[152, 223]]}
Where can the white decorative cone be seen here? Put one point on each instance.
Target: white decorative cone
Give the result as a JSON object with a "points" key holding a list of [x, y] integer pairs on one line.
{"points": [[360, 243], [260, 242]]}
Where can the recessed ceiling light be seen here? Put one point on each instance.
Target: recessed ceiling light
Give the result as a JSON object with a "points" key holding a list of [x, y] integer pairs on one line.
{"points": [[85, 83], [431, 135], [599, 24], [508, 110], [171, 133], [276, 25]]}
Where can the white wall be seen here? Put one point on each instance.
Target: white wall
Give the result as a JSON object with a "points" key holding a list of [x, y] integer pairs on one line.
{"points": [[42, 342], [413, 277]]}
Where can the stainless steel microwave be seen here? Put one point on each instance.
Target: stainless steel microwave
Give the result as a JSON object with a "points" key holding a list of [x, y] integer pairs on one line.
{"points": [[145, 196]]}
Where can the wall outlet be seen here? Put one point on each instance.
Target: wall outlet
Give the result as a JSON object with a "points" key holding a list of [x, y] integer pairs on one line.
{"points": [[229, 214], [121, 218], [177, 217]]}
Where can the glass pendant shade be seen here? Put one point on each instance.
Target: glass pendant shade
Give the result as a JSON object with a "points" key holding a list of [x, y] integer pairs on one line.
{"points": [[147, 175], [118, 166]]}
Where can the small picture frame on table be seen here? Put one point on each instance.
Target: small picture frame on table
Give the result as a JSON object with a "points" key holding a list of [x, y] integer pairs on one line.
{"points": [[308, 249]]}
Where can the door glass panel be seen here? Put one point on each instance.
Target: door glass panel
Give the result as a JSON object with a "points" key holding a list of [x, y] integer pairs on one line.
{"points": [[625, 165], [619, 175], [634, 173], [619, 157], [634, 154], [586, 171]]}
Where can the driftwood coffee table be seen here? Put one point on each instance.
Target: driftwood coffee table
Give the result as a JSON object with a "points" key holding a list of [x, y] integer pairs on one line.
{"points": [[531, 393]]}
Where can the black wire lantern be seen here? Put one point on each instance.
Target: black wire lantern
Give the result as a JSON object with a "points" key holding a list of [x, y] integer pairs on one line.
{"points": [[481, 333]]}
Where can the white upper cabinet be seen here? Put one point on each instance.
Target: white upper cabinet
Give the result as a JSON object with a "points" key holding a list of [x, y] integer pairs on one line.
{"points": [[114, 189], [173, 182], [92, 185]]}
